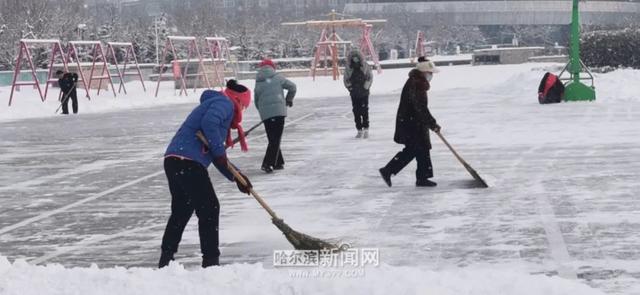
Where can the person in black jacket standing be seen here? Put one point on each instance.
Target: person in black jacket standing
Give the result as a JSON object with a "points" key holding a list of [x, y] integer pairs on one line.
{"points": [[67, 83], [357, 79], [413, 123]]}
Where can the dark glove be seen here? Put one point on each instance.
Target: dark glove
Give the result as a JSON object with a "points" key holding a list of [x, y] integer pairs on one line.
{"points": [[75, 77], [289, 103], [246, 187], [436, 128]]}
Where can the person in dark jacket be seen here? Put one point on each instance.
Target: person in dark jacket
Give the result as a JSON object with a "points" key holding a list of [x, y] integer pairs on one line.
{"points": [[67, 83], [413, 123], [551, 89], [185, 164], [271, 104], [358, 79]]}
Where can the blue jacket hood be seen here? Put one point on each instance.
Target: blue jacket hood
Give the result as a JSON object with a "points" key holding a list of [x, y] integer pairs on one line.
{"points": [[210, 94]]}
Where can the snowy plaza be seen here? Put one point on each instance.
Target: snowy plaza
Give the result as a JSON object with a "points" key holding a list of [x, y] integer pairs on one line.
{"points": [[85, 199]]}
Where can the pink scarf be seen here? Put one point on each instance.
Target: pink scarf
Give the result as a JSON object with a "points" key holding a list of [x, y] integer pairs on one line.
{"points": [[240, 101]]}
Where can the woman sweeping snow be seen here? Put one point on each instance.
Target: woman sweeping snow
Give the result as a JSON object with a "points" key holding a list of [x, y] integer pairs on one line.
{"points": [[185, 164], [413, 122]]}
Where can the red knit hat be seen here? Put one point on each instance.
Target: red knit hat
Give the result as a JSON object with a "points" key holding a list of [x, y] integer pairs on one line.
{"points": [[267, 62]]}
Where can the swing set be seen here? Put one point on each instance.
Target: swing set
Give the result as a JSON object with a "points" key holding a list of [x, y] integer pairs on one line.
{"points": [[326, 49], [58, 58]]}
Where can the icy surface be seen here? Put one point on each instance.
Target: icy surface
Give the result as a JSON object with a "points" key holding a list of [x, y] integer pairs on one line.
{"points": [[90, 189]]}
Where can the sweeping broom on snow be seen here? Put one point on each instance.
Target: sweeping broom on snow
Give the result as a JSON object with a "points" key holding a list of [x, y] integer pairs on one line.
{"points": [[299, 240]]}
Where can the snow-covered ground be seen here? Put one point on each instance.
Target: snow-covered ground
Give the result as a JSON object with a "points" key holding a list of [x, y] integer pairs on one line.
{"points": [[561, 217]]}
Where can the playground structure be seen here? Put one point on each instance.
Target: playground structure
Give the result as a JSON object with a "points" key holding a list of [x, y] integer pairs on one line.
{"points": [[97, 56], [423, 47], [220, 56], [575, 90], [24, 52], [129, 59], [327, 45], [178, 74]]}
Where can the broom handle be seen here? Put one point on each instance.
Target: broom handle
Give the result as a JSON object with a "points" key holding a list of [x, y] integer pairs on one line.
{"points": [[238, 176], [246, 133], [462, 161], [260, 200]]}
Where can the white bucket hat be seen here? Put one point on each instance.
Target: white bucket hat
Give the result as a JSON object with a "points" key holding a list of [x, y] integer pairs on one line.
{"points": [[427, 66]]}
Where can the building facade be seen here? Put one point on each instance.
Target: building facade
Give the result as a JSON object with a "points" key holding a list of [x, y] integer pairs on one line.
{"points": [[490, 12]]}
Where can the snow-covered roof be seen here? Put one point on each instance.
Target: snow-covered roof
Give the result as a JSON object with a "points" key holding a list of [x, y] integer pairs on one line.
{"points": [[85, 42], [182, 38], [40, 40], [216, 39], [509, 49], [120, 43]]}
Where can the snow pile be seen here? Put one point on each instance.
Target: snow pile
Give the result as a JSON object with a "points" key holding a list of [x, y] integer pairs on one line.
{"points": [[619, 85], [27, 104], [24, 279]]}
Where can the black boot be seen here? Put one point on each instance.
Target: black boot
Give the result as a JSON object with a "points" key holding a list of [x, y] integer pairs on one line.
{"points": [[278, 167], [425, 183], [210, 261], [165, 258], [386, 176], [267, 169]]}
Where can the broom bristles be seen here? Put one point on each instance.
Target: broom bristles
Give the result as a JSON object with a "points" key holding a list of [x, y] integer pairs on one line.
{"points": [[299, 240], [476, 176]]}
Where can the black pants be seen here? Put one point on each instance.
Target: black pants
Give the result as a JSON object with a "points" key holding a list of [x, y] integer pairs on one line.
{"points": [[191, 190], [360, 110], [273, 156], [422, 155], [73, 97]]}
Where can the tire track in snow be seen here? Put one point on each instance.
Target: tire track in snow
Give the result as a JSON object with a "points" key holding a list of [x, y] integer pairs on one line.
{"points": [[82, 169], [47, 214], [558, 247]]}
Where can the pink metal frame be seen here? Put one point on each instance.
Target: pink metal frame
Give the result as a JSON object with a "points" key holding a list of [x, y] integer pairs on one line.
{"points": [[420, 44], [97, 56], [130, 59], [192, 49], [366, 47], [325, 47], [220, 53], [25, 52]]}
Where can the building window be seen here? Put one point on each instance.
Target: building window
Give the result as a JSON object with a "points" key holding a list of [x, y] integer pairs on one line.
{"points": [[333, 3], [486, 59], [229, 3], [299, 3], [263, 3]]}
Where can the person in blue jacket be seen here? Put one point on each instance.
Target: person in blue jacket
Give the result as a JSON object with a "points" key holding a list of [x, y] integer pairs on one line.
{"points": [[185, 164]]}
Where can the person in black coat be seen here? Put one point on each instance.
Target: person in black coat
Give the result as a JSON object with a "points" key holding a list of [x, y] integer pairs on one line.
{"points": [[413, 123], [358, 79], [67, 83]]}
